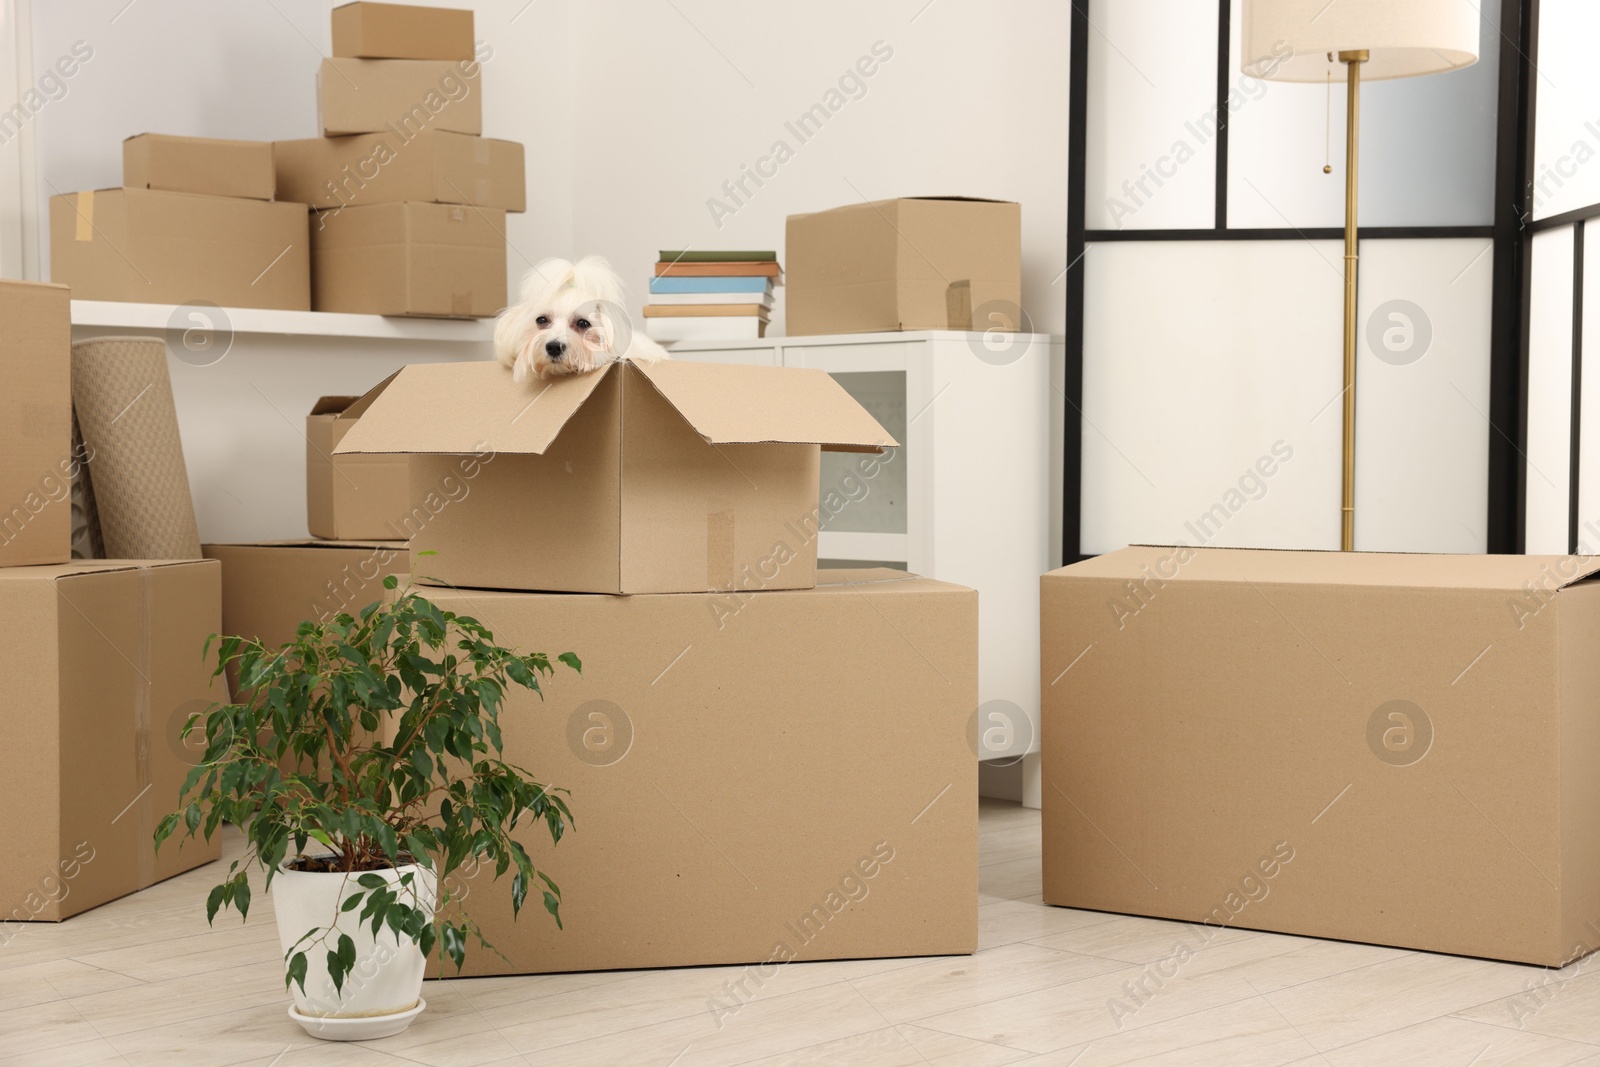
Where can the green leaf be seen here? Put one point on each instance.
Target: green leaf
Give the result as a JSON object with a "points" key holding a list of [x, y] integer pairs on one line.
{"points": [[455, 944], [214, 903], [351, 903], [241, 896], [571, 660], [296, 972], [371, 881]]}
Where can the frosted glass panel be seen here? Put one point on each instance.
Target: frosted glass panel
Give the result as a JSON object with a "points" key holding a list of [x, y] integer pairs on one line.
{"points": [[1427, 145], [1152, 115], [1549, 391], [1199, 358], [1566, 171], [881, 506], [1422, 395]]}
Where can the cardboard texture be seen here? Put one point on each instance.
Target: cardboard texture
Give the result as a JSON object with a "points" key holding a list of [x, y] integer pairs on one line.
{"points": [[441, 260], [401, 31], [170, 248], [35, 424], [435, 167], [918, 263], [677, 477], [739, 801], [101, 661], [350, 498], [203, 165], [405, 96], [1398, 749]]}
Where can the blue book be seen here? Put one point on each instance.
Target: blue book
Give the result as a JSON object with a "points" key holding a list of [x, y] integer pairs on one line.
{"points": [[710, 285]]}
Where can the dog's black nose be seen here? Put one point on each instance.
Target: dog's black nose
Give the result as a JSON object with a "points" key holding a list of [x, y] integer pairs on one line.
{"points": [[555, 349]]}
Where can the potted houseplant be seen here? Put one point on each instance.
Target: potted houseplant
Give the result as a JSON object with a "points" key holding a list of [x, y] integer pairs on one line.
{"points": [[374, 741]]}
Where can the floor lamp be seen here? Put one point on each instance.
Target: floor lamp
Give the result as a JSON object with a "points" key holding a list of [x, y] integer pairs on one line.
{"points": [[1354, 41]]}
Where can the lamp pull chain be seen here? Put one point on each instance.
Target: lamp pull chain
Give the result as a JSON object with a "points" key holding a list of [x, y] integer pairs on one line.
{"points": [[1327, 125]]}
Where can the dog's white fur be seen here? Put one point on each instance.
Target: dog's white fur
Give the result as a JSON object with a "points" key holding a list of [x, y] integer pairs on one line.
{"points": [[567, 322]]}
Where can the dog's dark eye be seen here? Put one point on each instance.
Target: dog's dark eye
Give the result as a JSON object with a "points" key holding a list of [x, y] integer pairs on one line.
{"points": [[582, 324], [542, 320]]}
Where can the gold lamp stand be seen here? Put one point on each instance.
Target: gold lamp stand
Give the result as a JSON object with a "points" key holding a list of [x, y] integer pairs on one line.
{"points": [[1352, 61]]}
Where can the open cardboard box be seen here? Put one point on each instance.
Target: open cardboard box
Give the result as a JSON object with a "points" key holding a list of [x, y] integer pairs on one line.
{"points": [[666, 478], [1399, 749], [101, 662], [351, 498], [756, 779]]}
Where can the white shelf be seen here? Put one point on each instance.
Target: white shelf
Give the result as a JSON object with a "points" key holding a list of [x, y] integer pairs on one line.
{"points": [[108, 314], [836, 339]]}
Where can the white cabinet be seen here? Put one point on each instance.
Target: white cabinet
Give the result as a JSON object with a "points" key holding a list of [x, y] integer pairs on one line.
{"points": [[972, 497]]}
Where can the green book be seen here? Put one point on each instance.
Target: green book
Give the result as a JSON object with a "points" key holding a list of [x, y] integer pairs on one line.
{"points": [[700, 255]]}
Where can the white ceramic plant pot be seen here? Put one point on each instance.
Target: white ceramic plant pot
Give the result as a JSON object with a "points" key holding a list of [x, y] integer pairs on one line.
{"points": [[384, 991]]}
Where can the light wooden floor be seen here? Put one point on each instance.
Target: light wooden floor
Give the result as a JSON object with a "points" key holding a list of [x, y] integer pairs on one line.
{"points": [[144, 981]]}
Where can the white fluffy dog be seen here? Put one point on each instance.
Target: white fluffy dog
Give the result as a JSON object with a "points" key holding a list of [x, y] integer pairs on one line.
{"points": [[569, 320]]}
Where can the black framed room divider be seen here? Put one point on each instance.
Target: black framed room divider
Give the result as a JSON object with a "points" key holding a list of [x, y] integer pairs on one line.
{"points": [[1510, 234]]}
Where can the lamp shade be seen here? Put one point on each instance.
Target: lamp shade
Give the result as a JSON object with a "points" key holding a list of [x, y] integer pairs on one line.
{"points": [[1289, 40]]}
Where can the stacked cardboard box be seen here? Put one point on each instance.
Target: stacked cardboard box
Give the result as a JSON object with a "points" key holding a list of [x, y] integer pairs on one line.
{"points": [[661, 521], [99, 660], [410, 200], [194, 220]]}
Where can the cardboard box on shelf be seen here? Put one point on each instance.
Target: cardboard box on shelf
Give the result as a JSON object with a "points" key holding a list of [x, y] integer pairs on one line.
{"points": [[441, 260], [402, 31], [917, 263], [713, 486], [205, 165], [1398, 749], [156, 247], [350, 498], [36, 424], [434, 167], [101, 661], [405, 96], [694, 743]]}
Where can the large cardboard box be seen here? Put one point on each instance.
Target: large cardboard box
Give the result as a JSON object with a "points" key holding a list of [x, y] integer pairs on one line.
{"points": [[203, 165], [782, 776], [36, 460], [671, 478], [442, 260], [101, 666], [918, 263], [1399, 749], [405, 96], [435, 167], [402, 31], [157, 247], [350, 498]]}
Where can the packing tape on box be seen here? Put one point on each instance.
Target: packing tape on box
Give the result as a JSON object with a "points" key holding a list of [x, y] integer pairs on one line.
{"points": [[85, 212], [958, 305], [457, 213], [719, 550], [144, 695], [480, 191]]}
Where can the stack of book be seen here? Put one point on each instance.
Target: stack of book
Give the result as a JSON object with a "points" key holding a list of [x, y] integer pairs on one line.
{"points": [[708, 295]]}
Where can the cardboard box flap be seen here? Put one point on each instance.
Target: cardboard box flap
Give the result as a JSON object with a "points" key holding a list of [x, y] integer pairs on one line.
{"points": [[358, 406], [966, 199], [305, 542], [461, 408], [1164, 563], [332, 405], [734, 405]]}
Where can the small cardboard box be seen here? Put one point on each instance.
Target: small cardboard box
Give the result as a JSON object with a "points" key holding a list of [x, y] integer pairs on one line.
{"points": [[1398, 749], [401, 31], [158, 247], [203, 165], [917, 263], [35, 424], [726, 814], [440, 260], [672, 478], [406, 96], [434, 167], [102, 667], [350, 498]]}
